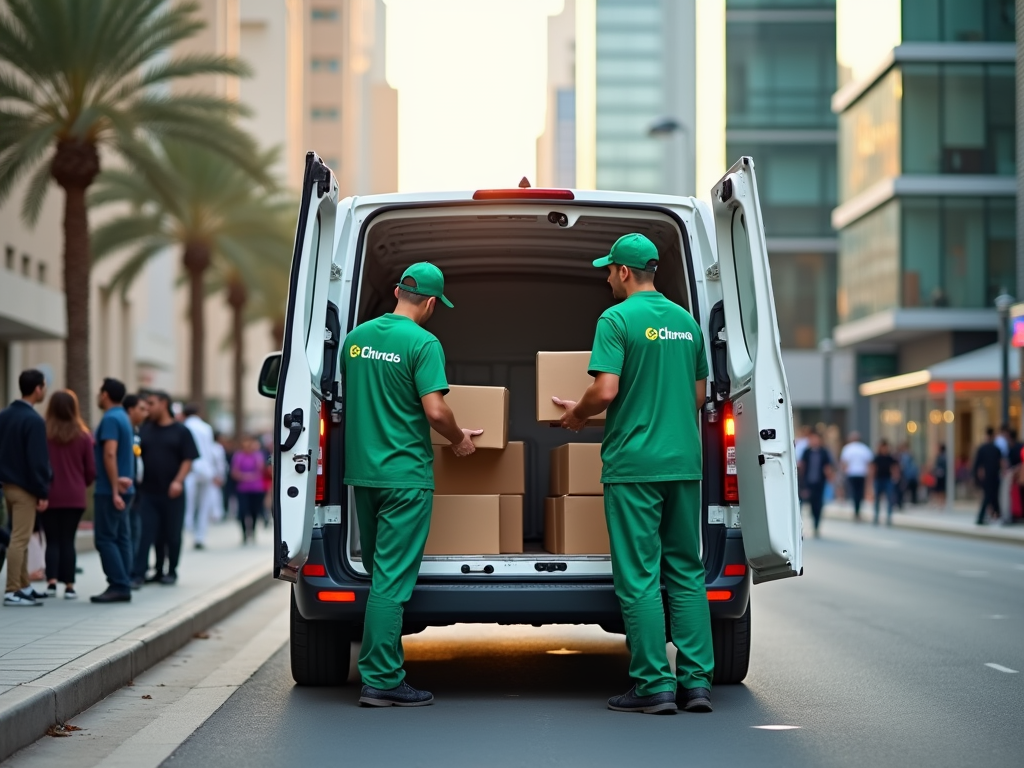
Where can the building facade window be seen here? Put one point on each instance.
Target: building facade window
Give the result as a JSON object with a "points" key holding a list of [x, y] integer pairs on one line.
{"points": [[958, 20], [804, 288], [929, 119], [780, 75], [325, 64], [928, 252], [787, 4], [324, 113], [322, 13]]}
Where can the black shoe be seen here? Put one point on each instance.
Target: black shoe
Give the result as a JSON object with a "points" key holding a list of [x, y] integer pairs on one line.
{"points": [[695, 699], [168, 579], [199, 545], [402, 696], [156, 578], [658, 703], [112, 596], [43, 595], [137, 583]]}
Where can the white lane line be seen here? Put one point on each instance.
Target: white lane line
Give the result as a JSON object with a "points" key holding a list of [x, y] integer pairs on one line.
{"points": [[1000, 668], [972, 574], [777, 727], [997, 616]]}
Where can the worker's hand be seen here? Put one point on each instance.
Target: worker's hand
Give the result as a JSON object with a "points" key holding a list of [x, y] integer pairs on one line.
{"points": [[42, 504], [124, 484], [569, 421], [119, 504], [466, 447], [175, 490]]}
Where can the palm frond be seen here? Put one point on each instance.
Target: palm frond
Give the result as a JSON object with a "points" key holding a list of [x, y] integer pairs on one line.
{"points": [[20, 156], [124, 231], [133, 266], [35, 194]]}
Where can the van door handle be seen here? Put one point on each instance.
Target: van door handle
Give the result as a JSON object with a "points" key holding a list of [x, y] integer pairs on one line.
{"points": [[293, 423]]}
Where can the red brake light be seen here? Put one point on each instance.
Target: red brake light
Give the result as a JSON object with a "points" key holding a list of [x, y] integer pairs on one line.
{"points": [[314, 569], [730, 486], [714, 595], [735, 569], [321, 450], [524, 194], [330, 596]]}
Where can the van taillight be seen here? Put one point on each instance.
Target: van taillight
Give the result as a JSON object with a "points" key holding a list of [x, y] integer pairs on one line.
{"points": [[731, 490], [321, 450]]}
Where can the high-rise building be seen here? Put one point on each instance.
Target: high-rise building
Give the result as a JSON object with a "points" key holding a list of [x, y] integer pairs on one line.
{"points": [[556, 147], [635, 70], [780, 63], [926, 213]]}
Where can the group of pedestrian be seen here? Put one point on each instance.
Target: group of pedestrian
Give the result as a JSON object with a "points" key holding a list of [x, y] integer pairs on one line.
{"points": [[998, 472], [149, 470]]}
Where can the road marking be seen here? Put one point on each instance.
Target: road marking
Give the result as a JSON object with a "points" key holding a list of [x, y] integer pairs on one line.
{"points": [[972, 574], [777, 727], [1001, 668], [564, 652], [997, 616]]}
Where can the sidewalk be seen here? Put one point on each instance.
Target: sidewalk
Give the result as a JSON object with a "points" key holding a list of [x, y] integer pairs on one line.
{"points": [[959, 522], [57, 660]]}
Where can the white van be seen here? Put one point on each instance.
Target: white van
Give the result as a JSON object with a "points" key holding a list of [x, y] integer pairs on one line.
{"points": [[517, 265]]}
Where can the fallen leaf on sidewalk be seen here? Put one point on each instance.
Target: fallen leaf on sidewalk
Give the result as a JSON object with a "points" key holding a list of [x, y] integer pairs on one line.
{"points": [[201, 635], [147, 696], [61, 730], [130, 683]]}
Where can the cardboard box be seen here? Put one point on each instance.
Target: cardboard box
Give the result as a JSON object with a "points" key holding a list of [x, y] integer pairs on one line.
{"points": [[483, 472], [510, 509], [564, 375], [575, 525], [483, 408], [576, 470], [465, 525]]}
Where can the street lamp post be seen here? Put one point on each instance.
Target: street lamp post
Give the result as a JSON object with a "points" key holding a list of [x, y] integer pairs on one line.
{"points": [[667, 128], [1003, 303]]}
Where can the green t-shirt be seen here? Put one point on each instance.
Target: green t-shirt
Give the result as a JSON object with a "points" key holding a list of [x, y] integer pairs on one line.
{"points": [[656, 349], [388, 364]]}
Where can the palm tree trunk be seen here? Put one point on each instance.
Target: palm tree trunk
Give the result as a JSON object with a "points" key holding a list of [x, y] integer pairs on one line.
{"points": [[237, 298], [196, 262], [74, 167]]}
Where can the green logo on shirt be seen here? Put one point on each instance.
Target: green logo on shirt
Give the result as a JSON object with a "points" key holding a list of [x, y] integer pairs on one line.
{"points": [[654, 334], [370, 353]]}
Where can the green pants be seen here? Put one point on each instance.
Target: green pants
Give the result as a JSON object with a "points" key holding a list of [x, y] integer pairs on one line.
{"points": [[654, 529], [393, 528]]}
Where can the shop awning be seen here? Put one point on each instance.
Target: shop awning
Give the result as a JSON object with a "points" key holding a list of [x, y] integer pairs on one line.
{"points": [[980, 369]]}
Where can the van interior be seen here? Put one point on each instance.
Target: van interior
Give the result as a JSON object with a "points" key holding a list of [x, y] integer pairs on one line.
{"points": [[521, 283]]}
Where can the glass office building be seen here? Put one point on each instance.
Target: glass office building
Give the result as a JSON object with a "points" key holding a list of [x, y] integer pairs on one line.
{"points": [[927, 182]]}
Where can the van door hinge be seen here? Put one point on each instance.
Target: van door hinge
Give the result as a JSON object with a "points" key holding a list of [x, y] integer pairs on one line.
{"points": [[322, 177], [712, 272]]}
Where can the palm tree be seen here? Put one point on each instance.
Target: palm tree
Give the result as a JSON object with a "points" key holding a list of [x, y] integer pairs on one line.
{"points": [[206, 207], [76, 76]]}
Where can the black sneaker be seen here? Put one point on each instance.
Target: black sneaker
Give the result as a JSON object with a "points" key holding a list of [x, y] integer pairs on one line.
{"points": [[112, 596], [695, 699], [402, 696], [168, 579], [156, 578], [199, 545], [42, 595], [51, 590], [20, 599], [656, 704], [70, 594]]}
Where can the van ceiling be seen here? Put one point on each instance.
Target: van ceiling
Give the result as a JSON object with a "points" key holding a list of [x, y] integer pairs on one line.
{"points": [[500, 247]]}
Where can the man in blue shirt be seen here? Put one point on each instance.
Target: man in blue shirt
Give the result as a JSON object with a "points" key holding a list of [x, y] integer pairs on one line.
{"points": [[115, 466]]}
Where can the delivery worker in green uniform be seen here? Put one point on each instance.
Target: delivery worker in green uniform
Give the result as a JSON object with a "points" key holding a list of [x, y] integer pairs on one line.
{"points": [[394, 383], [650, 372]]}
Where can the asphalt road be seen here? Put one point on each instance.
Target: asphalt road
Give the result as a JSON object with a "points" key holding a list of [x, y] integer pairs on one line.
{"points": [[880, 655]]}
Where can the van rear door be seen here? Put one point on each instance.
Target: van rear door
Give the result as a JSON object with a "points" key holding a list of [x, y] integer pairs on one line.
{"points": [[300, 401], [765, 464]]}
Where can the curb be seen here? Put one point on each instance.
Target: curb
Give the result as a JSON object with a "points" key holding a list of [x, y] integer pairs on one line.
{"points": [[28, 710], [981, 532]]}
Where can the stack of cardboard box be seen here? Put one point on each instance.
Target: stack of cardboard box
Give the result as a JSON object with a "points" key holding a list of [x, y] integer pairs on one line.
{"points": [[574, 522], [478, 499]]}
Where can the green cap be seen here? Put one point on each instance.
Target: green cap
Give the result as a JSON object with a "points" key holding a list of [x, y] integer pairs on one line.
{"points": [[427, 281], [632, 250]]}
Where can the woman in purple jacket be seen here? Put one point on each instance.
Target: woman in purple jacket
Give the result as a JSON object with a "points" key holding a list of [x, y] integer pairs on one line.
{"points": [[247, 469], [74, 469]]}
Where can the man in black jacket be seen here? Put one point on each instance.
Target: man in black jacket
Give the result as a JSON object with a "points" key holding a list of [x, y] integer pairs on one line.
{"points": [[25, 473]]}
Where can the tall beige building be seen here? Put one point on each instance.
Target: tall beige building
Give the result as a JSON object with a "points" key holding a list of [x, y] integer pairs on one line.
{"points": [[556, 147], [318, 83]]}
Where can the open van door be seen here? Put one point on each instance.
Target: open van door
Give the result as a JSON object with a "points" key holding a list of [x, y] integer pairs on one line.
{"points": [[300, 401], [762, 412]]}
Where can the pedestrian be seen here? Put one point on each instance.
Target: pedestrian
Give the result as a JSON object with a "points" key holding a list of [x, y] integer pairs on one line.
{"points": [[391, 404], [803, 438], [855, 459], [138, 411], [653, 388], [221, 470], [885, 471], [70, 445], [815, 468], [202, 494], [168, 451], [988, 467], [229, 491], [115, 465], [247, 474], [939, 474], [26, 474], [910, 476]]}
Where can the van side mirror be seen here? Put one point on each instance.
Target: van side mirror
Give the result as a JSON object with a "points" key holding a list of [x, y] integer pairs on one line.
{"points": [[270, 373]]}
